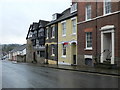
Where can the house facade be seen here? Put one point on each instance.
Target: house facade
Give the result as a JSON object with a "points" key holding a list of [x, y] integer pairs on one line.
{"points": [[36, 42], [98, 33], [18, 54], [67, 36], [29, 45], [51, 44], [31, 42]]}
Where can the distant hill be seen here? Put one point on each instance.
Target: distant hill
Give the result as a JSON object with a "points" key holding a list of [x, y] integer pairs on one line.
{"points": [[8, 47]]}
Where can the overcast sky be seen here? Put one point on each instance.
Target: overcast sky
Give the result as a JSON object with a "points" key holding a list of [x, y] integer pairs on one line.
{"points": [[17, 15]]}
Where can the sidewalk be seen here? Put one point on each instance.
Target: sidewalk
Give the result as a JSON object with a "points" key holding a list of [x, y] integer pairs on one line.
{"points": [[114, 72]]}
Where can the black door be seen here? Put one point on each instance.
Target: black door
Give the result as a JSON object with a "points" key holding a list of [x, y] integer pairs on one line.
{"points": [[47, 51], [34, 57], [46, 54], [74, 59]]}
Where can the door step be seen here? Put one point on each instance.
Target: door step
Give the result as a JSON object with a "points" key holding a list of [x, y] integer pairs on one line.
{"points": [[107, 62]]}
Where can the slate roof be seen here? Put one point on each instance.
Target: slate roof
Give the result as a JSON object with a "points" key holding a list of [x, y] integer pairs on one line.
{"points": [[19, 48], [64, 15], [35, 25], [42, 23]]}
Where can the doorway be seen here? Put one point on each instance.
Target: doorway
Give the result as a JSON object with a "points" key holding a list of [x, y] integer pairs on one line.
{"points": [[107, 44], [73, 45]]}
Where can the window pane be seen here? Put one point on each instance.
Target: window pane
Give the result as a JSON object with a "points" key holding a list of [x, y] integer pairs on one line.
{"points": [[53, 31], [53, 49], [88, 12], [107, 6], [74, 25], [64, 50], [63, 28], [89, 39], [42, 53]]}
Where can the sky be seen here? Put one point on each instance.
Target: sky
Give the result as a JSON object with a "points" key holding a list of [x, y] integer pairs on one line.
{"points": [[17, 15]]}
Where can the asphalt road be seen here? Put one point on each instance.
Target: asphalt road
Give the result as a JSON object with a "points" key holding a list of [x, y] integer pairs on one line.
{"points": [[23, 75]]}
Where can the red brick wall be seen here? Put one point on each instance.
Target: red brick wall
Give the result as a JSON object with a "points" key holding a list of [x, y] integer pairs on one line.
{"points": [[96, 24]]}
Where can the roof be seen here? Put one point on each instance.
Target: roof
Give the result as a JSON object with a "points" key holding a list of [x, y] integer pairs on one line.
{"points": [[35, 25], [64, 15], [19, 48]]}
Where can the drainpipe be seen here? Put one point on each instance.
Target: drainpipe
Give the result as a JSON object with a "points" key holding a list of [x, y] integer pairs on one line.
{"points": [[57, 42], [96, 32]]}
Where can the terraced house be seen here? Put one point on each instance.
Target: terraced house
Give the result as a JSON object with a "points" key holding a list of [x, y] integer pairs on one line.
{"points": [[67, 36], [51, 44], [99, 33]]}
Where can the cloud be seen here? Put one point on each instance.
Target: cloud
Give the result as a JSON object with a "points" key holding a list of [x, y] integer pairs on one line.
{"points": [[17, 15]]}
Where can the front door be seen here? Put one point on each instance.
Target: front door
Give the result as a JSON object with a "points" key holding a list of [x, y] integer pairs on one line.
{"points": [[46, 54], [73, 52], [74, 59], [34, 58]]}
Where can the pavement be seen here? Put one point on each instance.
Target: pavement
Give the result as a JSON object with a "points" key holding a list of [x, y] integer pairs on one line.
{"points": [[105, 71]]}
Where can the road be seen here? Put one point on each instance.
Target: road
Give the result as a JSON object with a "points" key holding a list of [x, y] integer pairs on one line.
{"points": [[23, 75]]}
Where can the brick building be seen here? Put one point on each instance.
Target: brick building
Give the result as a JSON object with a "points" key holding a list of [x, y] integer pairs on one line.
{"points": [[98, 33]]}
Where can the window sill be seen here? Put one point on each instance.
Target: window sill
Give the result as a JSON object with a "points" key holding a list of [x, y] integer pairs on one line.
{"points": [[53, 55], [63, 56], [106, 14], [73, 34], [88, 49], [63, 35], [53, 38], [88, 20]]}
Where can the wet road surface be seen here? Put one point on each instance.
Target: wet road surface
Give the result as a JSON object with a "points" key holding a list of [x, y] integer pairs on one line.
{"points": [[22, 75]]}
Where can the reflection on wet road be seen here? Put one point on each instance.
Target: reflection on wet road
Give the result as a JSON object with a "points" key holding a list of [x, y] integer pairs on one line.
{"points": [[22, 75]]}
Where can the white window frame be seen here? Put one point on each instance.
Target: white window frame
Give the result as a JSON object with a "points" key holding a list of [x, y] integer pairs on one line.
{"points": [[105, 7], [53, 49], [74, 31], [53, 33], [88, 48], [88, 10], [63, 28], [47, 33]]}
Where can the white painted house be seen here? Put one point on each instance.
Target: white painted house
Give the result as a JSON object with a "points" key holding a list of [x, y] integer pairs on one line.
{"points": [[18, 54]]}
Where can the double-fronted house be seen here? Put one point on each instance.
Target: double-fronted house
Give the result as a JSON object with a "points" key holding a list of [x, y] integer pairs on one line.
{"points": [[67, 36], [36, 42], [98, 33]]}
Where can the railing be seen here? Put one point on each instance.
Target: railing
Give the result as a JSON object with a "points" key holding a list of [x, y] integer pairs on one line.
{"points": [[97, 58], [108, 56]]}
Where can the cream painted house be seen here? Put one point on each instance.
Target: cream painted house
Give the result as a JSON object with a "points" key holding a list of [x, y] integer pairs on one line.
{"points": [[67, 37]]}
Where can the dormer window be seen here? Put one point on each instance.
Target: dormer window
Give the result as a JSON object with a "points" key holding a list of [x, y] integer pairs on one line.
{"points": [[54, 16], [73, 8]]}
